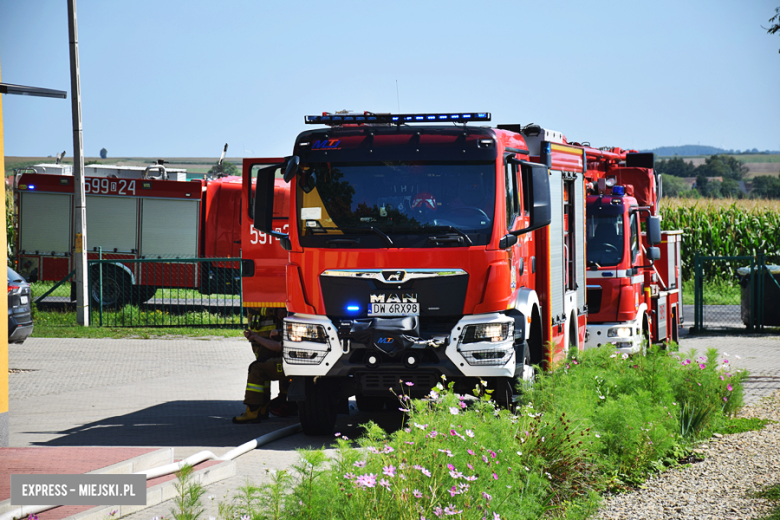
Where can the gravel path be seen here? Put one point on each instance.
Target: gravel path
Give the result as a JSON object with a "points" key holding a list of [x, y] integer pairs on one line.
{"points": [[717, 488]]}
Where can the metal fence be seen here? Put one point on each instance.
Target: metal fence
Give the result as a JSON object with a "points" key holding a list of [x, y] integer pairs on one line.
{"points": [[736, 293], [163, 292]]}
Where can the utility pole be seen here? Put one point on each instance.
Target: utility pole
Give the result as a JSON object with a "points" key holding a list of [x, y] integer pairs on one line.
{"points": [[79, 198]]}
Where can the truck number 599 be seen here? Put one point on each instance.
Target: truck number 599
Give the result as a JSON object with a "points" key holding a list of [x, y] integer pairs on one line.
{"points": [[258, 237]]}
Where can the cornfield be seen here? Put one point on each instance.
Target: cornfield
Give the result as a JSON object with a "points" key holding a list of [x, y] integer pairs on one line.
{"points": [[723, 228]]}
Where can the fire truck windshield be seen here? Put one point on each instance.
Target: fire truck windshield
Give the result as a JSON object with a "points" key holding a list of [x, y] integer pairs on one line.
{"points": [[403, 201], [605, 239]]}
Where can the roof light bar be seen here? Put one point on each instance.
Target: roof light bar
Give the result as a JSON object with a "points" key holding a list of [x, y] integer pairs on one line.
{"points": [[396, 119]]}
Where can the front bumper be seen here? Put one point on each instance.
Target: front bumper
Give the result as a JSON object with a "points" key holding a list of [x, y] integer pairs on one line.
{"points": [[598, 335], [445, 355]]}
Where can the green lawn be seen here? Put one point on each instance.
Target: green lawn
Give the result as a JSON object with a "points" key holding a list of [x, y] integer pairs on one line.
{"points": [[715, 293]]}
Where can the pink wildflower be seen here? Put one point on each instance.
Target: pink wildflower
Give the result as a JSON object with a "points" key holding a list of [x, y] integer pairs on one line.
{"points": [[385, 484], [495, 477], [729, 387], [702, 366], [389, 471]]}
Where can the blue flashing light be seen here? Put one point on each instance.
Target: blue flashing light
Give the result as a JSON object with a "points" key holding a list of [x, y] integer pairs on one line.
{"points": [[458, 117], [353, 308], [31, 187], [618, 191]]}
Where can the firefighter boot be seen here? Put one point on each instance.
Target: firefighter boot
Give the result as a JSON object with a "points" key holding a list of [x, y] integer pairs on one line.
{"points": [[251, 416]]}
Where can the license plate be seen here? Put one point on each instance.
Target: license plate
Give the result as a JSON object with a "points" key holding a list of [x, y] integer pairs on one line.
{"points": [[393, 309], [23, 300]]}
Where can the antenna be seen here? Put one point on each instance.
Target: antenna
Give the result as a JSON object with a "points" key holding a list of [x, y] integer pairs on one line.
{"points": [[398, 95]]}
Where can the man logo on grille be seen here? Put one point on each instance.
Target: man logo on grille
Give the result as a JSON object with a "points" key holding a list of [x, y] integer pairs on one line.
{"points": [[395, 276]]}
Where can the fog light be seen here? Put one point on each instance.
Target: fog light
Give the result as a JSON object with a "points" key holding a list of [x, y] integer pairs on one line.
{"points": [[619, 332], [372, 361], [492, 332]]}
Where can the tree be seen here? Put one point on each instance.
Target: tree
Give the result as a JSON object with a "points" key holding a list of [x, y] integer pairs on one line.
{"points": [[730, 188], [775, 21], [103, 153], [675, 166], [712, 190], [672, 185], [226, 169], [722, 166], [766, 186]]}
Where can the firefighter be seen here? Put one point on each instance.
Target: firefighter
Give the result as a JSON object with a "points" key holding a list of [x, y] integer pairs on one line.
{"points": [[264, 333]]}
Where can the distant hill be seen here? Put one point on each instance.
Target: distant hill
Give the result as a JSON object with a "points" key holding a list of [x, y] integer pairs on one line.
{"points": [[692, 150], [686, 150]]}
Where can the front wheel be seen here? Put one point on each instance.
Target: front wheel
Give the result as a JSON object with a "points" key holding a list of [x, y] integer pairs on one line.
{"points": [[318, 411]]}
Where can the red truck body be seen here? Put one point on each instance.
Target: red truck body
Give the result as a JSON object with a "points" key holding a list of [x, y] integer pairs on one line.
{"points": [[132, 217], [409, 257]]}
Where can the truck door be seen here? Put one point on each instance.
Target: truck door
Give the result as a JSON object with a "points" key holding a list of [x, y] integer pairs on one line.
{"points": [[264, 260]]}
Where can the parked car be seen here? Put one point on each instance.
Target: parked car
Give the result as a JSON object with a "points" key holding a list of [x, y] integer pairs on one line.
{"points": [[20, 322]]}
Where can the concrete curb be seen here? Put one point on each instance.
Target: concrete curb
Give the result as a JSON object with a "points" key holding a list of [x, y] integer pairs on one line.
{"points": [[139, 463], [160, 493]]}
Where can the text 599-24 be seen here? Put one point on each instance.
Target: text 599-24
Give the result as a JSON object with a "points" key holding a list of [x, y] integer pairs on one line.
{"points": [[98, 186]]}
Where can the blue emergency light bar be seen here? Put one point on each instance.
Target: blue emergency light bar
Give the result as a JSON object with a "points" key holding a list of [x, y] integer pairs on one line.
{"points": [[395, 119]]}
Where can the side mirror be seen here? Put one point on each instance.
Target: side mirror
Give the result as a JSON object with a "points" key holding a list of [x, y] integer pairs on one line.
{"points": [[654, 230], [264, 203], [653, 253], [507, 241], [292, 168], [536, 180]]}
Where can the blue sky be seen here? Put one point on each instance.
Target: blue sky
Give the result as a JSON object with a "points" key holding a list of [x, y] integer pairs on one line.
{"points": [[171, 79]]}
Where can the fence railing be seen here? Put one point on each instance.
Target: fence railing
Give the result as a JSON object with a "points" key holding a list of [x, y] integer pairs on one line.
{"points": [[166, 292], [748, 299]]}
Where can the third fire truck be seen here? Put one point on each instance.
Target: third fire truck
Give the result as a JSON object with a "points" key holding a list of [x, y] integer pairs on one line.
{"points": [[634, 276]]}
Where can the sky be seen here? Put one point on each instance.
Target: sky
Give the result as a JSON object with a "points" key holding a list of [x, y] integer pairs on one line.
{"points": [[171, 78]]}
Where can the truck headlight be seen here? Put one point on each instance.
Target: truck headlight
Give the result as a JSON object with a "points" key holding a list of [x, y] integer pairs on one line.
{"points": [[492, 332], [619, 332], [297, 332]]}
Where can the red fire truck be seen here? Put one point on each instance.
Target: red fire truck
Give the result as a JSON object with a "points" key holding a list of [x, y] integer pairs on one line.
{"points": [[447, 248], [634, 276], [132, 213]]}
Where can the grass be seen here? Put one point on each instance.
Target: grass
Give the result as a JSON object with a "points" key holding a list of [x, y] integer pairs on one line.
{"points": [[63, 325], [715, 292], [771, 493], [732, 425]]}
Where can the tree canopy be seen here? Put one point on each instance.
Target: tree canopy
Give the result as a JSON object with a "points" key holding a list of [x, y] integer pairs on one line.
{"points": [[775, 21], [227, 168]]}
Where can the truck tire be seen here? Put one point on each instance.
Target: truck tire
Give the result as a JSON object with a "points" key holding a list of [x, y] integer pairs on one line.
{"points": [[318, 411], [369, 403], [143, 293], [117, 286]]}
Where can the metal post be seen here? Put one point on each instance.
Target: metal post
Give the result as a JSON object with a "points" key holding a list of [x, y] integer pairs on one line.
{"points": [[100, 285], [79, 198]]}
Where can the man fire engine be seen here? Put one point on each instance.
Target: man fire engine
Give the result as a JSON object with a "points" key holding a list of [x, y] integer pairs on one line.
{"points": [[634, 286], [420, 246]]}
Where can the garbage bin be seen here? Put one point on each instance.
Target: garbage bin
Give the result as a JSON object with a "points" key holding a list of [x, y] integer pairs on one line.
{"points": [[771, 303]]}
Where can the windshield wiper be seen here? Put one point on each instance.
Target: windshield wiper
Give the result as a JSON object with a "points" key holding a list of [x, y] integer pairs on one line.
{"points": [[452, 229], [379, 232]]}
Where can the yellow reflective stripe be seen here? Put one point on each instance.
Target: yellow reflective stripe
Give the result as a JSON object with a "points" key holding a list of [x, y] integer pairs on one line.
{"points": [[265, 304], [255, 388]]}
